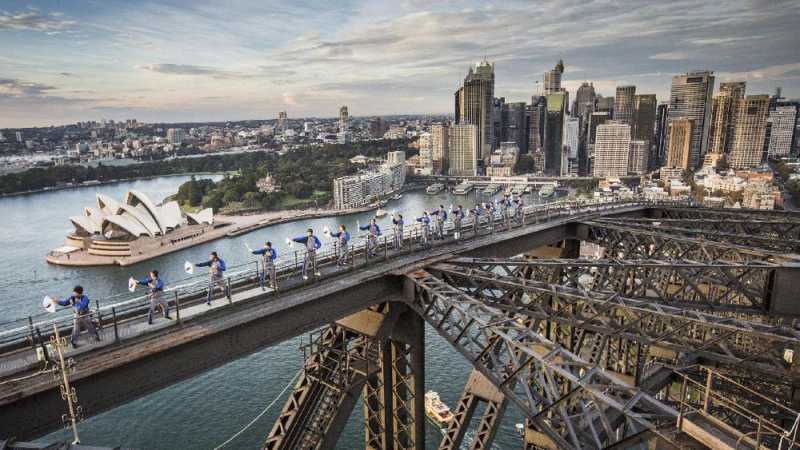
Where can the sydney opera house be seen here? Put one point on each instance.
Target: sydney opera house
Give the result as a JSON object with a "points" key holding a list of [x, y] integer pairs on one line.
{"points": [[134, 226]]}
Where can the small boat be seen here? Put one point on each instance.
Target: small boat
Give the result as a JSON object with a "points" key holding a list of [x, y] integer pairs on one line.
{"points": [[463, 188], [437, 411], [380, 213], [397, 196], [435, 188], [547, 190]]}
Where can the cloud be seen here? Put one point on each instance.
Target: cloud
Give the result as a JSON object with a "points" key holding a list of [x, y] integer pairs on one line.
{"points": [[186, 69], [33, 20], [778, 72], [10, 87], [723, 40], [670, 56]]}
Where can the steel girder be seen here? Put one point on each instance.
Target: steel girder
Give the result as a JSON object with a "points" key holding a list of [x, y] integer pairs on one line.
{"points": [[632, 242], [671, 212], [568, 399], [714, 286], [477, 390], [594, 319], [779, 236]]}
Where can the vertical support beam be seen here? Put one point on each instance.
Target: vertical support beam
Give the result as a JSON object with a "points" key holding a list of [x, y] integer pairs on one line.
{"points": [[407, 351], [378, 426], [462, 416]]}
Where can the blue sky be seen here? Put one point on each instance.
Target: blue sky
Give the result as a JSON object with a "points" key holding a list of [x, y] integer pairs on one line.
{"points": [[64, 61]]}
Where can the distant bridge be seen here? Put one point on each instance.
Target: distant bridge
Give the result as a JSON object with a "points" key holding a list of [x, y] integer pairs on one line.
{"points": [[679, 329]]}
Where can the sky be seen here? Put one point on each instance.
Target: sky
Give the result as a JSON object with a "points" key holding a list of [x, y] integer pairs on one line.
{"points": [[63, 61]]}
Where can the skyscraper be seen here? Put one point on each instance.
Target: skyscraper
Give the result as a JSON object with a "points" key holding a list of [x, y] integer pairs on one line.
{"points": [[782, 130], [723, 113], [584, 101], [690, 98], [514, 126], [552, 79], [748, 133], [474, 103], [554, 131], [282, 121], [660, 147], [638, 156], [440, 146], [611, 149], [644, 117], [571, 143], [538, 118], [343, 119], [462, 160], [623, 104], [679, 148], [596, 119]]}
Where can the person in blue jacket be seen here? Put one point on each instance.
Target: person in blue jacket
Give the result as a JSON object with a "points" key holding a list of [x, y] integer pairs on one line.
{"points": [[312, 244], [519, 215], [268, 257], [372, 237], [505, 213], [397, 222], [477, 213], [343, 244], [83, 316], [425, 236], [216, 279], [441, 218], [458, 216], [490, 212], [155, 292]]}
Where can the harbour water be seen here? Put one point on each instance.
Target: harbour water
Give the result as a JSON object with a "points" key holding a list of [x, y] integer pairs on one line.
{"points": [[204, 411]]}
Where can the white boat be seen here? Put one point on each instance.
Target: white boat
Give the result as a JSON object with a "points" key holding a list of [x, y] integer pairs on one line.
{"points": [[547, 190], [435, 188], [397, 196], [463, 188], [380, 213], [437, 411]]}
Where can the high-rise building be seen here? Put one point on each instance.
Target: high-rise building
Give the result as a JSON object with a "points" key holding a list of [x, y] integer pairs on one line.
{"points": [[377, 127], [514, 127], [611, 149], [679, 138], [623, 104], [644, 117], [691, 98], [396, 157], [425, 143], [282, 121], [748, 133], [538, 118], [605, 104], [660, 147], [554, 132], [343, 119], [782, 130], [474, 104], [440, 146], [595, 119], [638, 156], [584, 101], [498, 120], [463, 155], [552, 79], [722, 114], [175, 136], [571, 143]]}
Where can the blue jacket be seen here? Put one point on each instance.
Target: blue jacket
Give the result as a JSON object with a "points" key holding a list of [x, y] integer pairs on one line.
{"points": [[478, 210], [443, 214], [81, 304], [424, 219], [208, 263], [344, 236], [459, 213], [368, 226], [159, 285], [304, 239], [397, 221], [273, 255]]}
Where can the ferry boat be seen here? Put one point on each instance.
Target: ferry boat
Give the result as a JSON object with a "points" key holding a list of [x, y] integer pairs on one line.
{"points": [[435, 188], [437, 411], [491, 189], [397, 196], [463, 188], [547, 190], [380, 213]]}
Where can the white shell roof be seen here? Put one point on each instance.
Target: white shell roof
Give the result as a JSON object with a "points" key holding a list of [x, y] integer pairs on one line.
{"points": [[107, 205], [142, 216], [171, 213], [204, 216], [85, 224], [135, 198], [126, 223]]}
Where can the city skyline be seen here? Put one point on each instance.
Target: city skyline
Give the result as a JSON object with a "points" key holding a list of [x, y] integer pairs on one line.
{"points": [[63, 62]]}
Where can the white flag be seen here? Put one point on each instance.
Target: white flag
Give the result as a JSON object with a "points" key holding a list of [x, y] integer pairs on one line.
{"points": [[188, 267], [131, 284], [49, 304]]}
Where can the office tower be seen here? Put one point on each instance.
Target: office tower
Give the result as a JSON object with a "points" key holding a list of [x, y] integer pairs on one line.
{"points": [[553, 133], [596, 119], [690, 98], [748, 133], [538, 118], [377, 127], [514, 125], [679, 143], [552, 79], [282, 121], [660, 147], [623, 104], [474, 104], [498, 120], [644, 117], [440, 146], [722, 114], [782, 130], [343, 119], [584, 101], [571, 145], [611, 149], [638, 156], [175, 136], [463, 156], [604, 104], [425, 143]]}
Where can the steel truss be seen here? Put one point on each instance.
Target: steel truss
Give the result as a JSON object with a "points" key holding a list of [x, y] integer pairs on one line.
{"points": [[779, 236], [571, 401], [671, 212], [608, 328], [633, 242]]}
